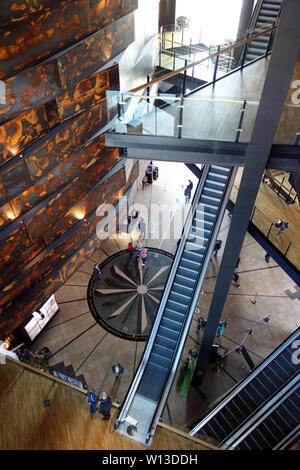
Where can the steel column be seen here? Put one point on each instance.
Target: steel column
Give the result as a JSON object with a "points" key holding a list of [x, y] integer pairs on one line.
{"points": [[283, 60]]}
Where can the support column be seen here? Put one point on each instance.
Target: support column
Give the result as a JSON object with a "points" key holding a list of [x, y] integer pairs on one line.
{"points": [[280, 72]]}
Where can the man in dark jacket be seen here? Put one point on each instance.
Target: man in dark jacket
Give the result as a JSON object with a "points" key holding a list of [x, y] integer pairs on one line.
{"points": [[105, 406]]}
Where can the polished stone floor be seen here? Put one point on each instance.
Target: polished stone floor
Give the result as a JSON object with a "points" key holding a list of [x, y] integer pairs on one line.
{"points": [[75, 337]]}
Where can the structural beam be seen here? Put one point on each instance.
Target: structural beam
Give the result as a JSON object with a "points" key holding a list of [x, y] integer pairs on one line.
{"points": [[192, 151], [283, 60]]}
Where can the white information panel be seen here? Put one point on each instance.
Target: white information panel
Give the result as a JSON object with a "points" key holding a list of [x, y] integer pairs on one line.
{"points": [[35, 325]]}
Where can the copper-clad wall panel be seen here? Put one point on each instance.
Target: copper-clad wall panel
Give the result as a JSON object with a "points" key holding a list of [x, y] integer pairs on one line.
{"points": [[27, 43], [52, 147], [18, 133], [87, 93], [88, 56], [30, 89]]}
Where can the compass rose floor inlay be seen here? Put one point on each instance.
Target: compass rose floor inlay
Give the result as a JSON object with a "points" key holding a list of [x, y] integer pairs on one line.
{"points": [[126, 298]]}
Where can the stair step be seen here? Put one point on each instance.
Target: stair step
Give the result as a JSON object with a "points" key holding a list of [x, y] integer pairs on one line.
{"points": [[159, 360], [167, 333], [175, 306], [179, 289], [165, 342], [162, 350], [178, 317], [171, 324], [179, 298], [184, 281]]}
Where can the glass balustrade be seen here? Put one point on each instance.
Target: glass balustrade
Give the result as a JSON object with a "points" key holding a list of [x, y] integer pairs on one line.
{"points": [[169, 115]]}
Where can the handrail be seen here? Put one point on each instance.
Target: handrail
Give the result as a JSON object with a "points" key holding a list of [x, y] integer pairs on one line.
{"points": [[192, 304], [215, 54], [48, 375], [282, 394], [247, 380], [143, 363], [187, 436], [197, 99]]}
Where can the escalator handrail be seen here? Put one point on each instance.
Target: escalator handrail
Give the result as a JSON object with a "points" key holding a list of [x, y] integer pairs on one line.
{"points": [[246, 381], [143, 363], [264, 411], [192, 303]]}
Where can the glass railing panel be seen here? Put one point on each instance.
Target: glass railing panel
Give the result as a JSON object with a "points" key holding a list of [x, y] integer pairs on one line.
{"points": [[248, 120], [147, 115], [288, 129], [261, 222], [205, 118], [293, 255]]}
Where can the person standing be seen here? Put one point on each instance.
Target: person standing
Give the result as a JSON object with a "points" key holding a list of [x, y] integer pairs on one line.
{"points": [[93, 401], [144, 181], [217, 247], [130, 248], [142, 227], [117, 369], [96, 272], [267, 257], [105, 406]]}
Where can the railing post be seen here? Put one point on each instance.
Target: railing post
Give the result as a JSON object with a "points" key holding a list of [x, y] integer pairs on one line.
{"points": [[270, 41], [184, 79], [180, 117], [239, 129], [245, 48], [216, 65]]}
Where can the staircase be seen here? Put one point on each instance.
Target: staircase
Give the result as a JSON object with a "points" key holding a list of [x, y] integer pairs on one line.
{"points": [[265, 14], [263, 411], [62, 371], [153, 379]]}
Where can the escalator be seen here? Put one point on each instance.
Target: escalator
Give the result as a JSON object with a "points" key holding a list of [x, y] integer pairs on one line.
{"points": [[266, 13], [151, 384], [263, 411]]}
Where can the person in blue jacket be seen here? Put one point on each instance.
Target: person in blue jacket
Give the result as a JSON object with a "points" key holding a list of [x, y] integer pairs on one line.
{"points": [[93, 401], [117, 369]]}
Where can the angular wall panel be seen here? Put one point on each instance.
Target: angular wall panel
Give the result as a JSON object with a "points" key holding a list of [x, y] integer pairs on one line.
{"points": [[33, 273], [27, 43], [30, 89], [21, 131], [87, 93], [87, 57]]}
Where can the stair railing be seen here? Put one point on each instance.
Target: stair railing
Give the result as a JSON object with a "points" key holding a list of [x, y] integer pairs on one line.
{"points": [[246, 381], [192, 305], [144, 360]]}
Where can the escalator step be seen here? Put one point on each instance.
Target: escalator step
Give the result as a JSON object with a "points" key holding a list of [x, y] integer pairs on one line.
{"points": [[171, 324], [163, 351], [165, 342], [159, 360]]}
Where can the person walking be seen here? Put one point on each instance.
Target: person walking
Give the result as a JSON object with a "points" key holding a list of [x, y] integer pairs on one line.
{"points": [[267, 257], [220, 328], [105, 406], [282, 226], [236, 278], [187, 194], [143, 256], [142, 227], [139, 246], [117, 369], [217, 247], [96, 272]]}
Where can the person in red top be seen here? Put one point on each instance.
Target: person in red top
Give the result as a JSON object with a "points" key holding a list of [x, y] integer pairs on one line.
{"points": [[130, 248]]}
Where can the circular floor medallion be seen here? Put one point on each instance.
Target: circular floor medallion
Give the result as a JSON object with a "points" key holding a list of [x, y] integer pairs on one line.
{"points": [[125, 299]]}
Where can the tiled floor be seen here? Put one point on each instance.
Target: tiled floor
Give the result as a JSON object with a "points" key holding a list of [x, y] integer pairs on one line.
{"points": [[75, 338]]}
